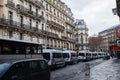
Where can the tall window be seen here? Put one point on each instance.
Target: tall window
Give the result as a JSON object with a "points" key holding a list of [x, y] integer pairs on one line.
{"points": [[42, 13], [10, 34], [37, 26], [42, 27], [10, 17], [30, 23], [30, 8], [21, 21], [46, 6], [36, 12], [21, 36]]}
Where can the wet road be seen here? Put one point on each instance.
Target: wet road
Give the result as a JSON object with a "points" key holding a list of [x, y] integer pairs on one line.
{"points": [[99, 70], [108, 70], [74, 72]]}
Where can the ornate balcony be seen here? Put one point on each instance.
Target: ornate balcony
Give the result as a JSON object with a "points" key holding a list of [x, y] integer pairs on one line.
{"points": [[36, 3], [69, 23], [69, 31], [21, 9], [56, 25], [64, 38], [71, 39], [50, 34], [10, 24], [10, 4]]}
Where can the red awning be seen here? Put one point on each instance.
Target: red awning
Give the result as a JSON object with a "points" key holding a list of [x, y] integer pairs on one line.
{"points": [[114, 48]]}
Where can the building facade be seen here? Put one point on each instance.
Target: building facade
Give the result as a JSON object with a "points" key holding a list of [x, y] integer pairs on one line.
{"points": [[81, 35], [60, 23], [109, 38], [45, 22]]}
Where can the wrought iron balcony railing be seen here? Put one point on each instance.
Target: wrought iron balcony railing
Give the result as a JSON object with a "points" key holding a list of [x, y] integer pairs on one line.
{"points": [[36, 3], [10, 4], [70, 23], [56, 25], [29, 13], [69, 30], [50, 34]]}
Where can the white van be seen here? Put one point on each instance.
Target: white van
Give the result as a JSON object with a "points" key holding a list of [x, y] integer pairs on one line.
{"points": [[70, 56], [84, 55], [54, 57], [95, 55]]}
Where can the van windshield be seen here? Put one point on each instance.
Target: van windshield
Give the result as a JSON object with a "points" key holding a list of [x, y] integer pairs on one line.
{"points": [[73, 54], [46, 56], [3, 67], [88, 54], [81, 54], [65, 55], [57, 55]]}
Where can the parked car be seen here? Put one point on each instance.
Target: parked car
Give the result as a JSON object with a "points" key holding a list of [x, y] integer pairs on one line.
{"points": [[28, 69], [54, 57], [70, 57]]}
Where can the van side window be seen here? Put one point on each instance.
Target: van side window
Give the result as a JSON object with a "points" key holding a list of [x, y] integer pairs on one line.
{"points": [[34, 66], [73, 54], [43, 65], [46, 56], [65, 55], [18, 70], [57, 55]]}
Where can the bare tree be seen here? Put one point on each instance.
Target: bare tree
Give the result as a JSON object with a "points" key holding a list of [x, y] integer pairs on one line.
{"points": [[94, 43]]}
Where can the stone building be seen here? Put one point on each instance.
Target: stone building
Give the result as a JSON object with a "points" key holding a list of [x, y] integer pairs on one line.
{"points": [[29, 24], [81, 32]]}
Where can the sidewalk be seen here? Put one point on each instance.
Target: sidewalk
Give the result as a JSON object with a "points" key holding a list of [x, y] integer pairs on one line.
{"points": [[108, 70]]}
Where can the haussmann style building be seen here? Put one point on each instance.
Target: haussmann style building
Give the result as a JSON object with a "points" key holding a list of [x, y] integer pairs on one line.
{"points": [[81, 33], [27, 26]]}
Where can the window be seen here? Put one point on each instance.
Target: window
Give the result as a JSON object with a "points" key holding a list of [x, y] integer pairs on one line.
{"points": [[57, 55], [36, 25], [30, 23], [30, 8], [36, 12], [46, 56], [43, 65], [46, 6], [34, 66], [73, 54], [42, 13], [10, 17], [42, 27], [10, 34], [65, 55], [17, 71], [81, 54], [3, 67], [21, 36], [21, 21]]}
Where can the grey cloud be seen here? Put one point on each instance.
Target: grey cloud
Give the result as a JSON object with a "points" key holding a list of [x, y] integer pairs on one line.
{"points": [[97, 13]]}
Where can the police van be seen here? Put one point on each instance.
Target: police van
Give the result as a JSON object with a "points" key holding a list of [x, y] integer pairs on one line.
{"points": [[54, 57]]}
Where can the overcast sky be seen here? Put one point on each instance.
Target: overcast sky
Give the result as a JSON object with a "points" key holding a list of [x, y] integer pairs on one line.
{"points": [[96, 13]]}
